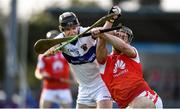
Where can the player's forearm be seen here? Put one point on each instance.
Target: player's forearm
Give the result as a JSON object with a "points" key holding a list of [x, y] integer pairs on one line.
{"points": [[41, 74], [120, 45], [101, 51], [107, 25]]}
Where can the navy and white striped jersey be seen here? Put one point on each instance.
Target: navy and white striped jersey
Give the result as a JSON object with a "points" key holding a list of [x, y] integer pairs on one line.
{"points": [[81, 55]]}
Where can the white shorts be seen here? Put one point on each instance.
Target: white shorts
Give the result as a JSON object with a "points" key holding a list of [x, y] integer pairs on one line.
{"points": [[155, 98], [62, 96], [91, 95]]}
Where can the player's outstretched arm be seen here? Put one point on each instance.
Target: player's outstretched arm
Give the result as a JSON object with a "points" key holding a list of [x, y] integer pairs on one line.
{"points": [[120, 45], [101, 50]]}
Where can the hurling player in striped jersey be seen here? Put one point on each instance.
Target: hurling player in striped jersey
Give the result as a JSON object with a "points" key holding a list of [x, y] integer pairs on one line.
{"points": [[81, 55]]}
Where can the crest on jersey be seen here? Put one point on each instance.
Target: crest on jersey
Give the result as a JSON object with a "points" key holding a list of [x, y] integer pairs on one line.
{"points": [[57, 66], [84, 47]]}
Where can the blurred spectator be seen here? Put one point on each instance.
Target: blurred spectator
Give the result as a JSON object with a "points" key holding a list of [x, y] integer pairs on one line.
{"points": [[54, 71], [176, 89], [31, 102], [155, 79]]}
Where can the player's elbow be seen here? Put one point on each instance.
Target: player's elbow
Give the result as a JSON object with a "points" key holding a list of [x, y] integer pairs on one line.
{"points": [[101, 60], [129, 51], [101, 56], [38, 75]]}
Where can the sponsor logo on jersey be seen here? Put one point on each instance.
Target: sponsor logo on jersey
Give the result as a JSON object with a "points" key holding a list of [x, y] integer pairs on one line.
{"points": [[88, 57], [119, 64], [119, 68]]}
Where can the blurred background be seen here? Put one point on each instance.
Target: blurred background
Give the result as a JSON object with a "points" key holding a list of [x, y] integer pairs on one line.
{"points": [[156, 27]]}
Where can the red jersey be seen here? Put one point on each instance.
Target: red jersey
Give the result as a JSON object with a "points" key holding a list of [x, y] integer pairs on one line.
{"points": [[57, 67], [124, 79]]}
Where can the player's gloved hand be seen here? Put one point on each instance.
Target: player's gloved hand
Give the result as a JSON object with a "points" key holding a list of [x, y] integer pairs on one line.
{"points": [[117, 11]]}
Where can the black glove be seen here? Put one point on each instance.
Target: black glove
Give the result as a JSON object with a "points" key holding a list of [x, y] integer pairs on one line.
{"points": [[116, 10]]}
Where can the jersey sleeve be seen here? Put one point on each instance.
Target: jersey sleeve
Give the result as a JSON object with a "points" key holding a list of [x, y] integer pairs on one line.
{"points": [[60, 35], [40, 63], [137, 58], [94, 41]]}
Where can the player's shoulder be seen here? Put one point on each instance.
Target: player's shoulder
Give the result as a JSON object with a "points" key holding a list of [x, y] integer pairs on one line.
{"points": [[40, 56], [82, 29], [134, 47], [59, 55]]}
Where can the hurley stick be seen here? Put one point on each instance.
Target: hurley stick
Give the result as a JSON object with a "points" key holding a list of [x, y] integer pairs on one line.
{"points": [[43, 48], [97, 23], [43, 45]]}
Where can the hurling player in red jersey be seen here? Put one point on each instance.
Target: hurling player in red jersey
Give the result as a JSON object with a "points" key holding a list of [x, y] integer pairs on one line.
{"points": [[123, 71], [54, 71]]}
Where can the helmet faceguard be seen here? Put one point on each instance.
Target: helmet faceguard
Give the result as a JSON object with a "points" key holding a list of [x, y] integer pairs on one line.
{"points": [[67, 19], [127, 31]]}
